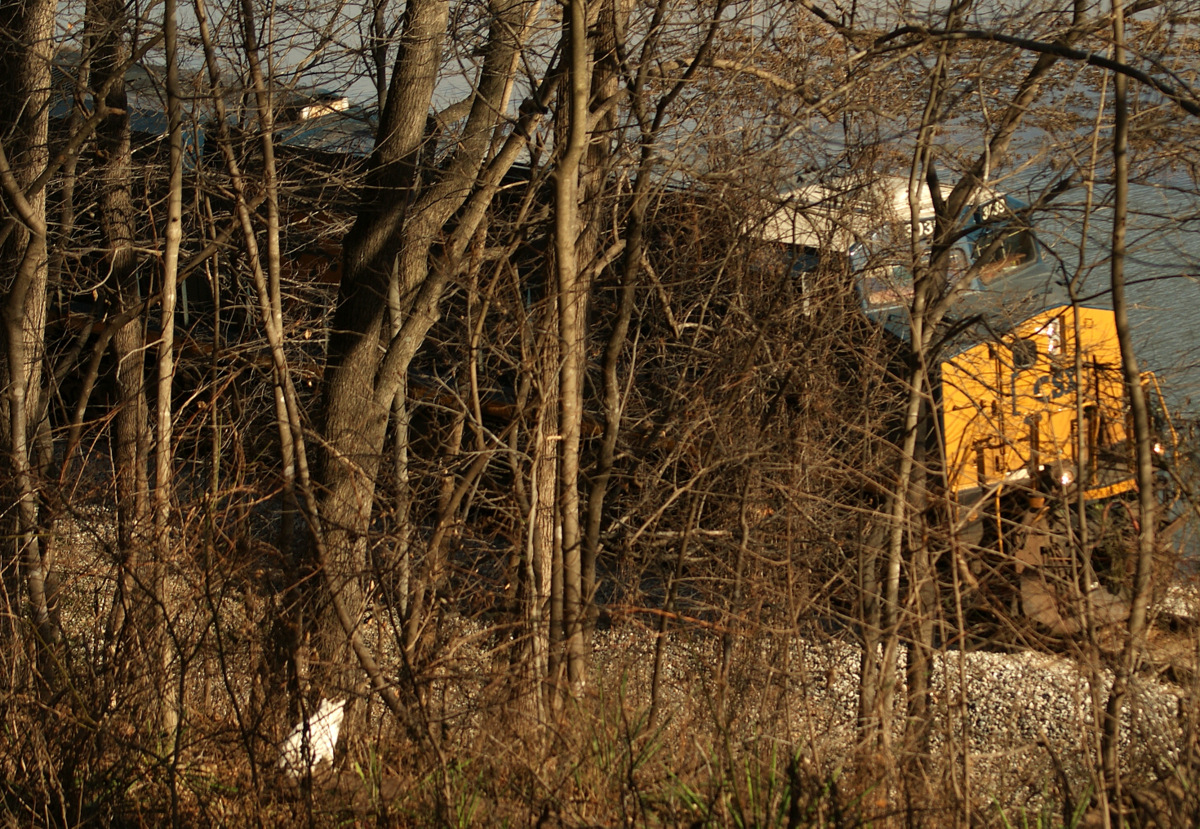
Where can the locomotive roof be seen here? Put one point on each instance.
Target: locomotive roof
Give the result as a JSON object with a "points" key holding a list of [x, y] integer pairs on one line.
{"points": [[843, 211]]}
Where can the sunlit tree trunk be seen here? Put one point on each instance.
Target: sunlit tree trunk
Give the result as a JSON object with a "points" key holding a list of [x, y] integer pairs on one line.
{"points": [[1135, 640], [541, 603], [26, 48], [572, 300], [170, 679]]}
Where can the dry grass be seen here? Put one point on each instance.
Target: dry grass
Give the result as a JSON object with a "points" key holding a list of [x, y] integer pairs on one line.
{"points": [[772, 745]]}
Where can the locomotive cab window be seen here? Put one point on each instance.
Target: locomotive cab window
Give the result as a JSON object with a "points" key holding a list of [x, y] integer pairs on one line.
{"points": [[1003, 251], [891, 283], [886, 286], [956, 265]]}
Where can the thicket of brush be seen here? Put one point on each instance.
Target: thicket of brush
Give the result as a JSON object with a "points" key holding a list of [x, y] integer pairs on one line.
{"points": [[512, 425]]}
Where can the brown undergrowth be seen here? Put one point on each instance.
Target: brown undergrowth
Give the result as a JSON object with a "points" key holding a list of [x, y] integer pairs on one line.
{"points": [[770, 741]]}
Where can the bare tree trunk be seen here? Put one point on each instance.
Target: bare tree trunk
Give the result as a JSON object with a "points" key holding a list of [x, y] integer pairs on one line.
{"points": [[572, 298], [1135, 641], [402, 543], [900, 517], [402, 223], [541, 616], [265, 110], [107, 23], [594, 178], [870, 617], [25, 54], [170, 694], [923, 605]]}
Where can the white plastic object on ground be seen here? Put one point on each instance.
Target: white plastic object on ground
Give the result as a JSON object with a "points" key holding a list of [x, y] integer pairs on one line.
{"points": [[323, 727]]}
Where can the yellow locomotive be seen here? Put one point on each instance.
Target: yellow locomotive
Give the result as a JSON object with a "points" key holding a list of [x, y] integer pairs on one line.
{"points": [[1029, 393], [1012, 407]]}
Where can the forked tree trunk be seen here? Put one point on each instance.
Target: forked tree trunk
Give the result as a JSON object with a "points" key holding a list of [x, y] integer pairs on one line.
{"points": [[356, 408], [402, 224]]}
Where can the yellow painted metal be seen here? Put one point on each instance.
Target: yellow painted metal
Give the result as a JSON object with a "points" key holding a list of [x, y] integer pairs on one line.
{"points": [[1009, 405], [1119, 488]]}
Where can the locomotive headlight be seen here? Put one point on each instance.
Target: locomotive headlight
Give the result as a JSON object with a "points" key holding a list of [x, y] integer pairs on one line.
{"points": [[1157, 448], [1066, 478]]}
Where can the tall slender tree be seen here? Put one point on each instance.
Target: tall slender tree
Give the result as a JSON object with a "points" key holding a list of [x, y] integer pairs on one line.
{"points": [[108, 39], [26, 52]]}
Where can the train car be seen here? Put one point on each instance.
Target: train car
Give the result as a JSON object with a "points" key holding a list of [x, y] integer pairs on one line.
{"points": [[1031, 403], [1024, 364], [868, 226], [1012, 407]]}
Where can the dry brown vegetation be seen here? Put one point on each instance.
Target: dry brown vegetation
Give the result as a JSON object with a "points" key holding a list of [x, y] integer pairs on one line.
{"points": [[517, 435]]}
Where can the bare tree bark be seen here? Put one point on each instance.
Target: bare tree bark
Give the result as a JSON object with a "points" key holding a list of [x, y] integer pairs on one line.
{"points": [[543, 600], [108, 35], [572, 299], [26, 50], [170, 679], [1135, 640], [402, 223]]}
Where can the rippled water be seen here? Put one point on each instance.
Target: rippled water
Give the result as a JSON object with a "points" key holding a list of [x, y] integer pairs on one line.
{"points": [[1162, 273], [1166, 293]]}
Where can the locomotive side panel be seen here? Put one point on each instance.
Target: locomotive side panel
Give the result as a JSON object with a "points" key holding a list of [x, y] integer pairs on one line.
{"points": [[1011, 407]]}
